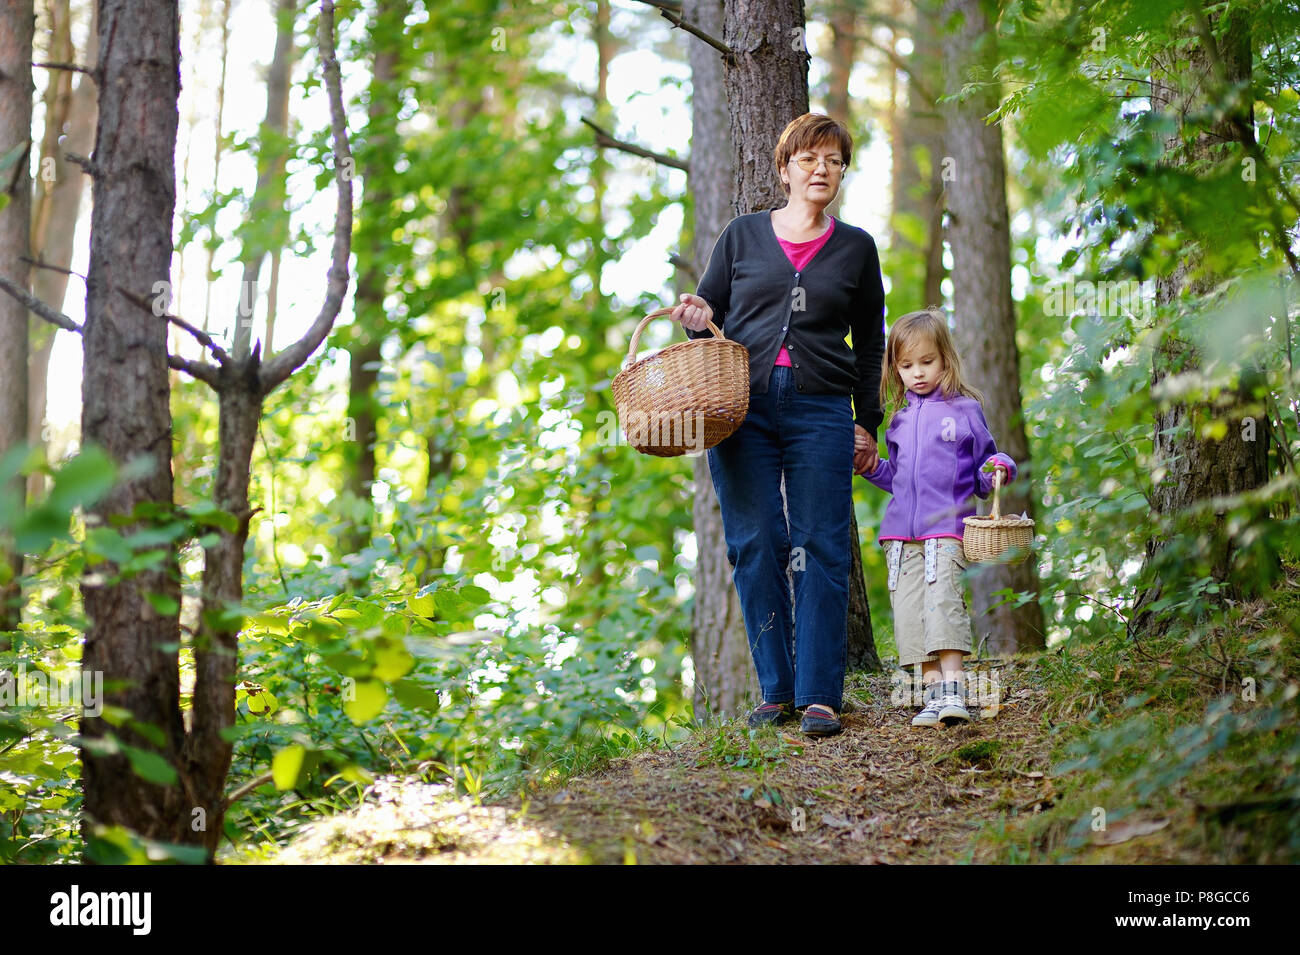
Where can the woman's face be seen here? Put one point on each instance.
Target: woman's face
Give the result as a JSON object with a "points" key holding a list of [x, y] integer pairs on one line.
{"points": [[820, 183]]}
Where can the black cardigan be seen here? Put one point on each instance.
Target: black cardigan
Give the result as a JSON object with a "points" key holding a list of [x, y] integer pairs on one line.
{"points": [[755, 294]]}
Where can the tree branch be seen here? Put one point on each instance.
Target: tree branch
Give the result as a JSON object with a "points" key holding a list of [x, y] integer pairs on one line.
{"points": [[605, 141], [199, 369], [672, 13], [88, 166], [283, 364], [35, 305], [248, 787], [90, 71], [53, 268], [203, 337], [685, 266], [898, 62]]}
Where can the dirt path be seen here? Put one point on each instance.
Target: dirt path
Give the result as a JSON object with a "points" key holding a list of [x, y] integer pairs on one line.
{"points": [[882, 792]]}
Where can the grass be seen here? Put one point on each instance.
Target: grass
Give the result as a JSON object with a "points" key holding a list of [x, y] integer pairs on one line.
{"points": [[1102, 752]]}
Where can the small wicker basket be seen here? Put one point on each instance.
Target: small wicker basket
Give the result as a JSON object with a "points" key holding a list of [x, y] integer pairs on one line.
{"points": [[988, 538], [686, 398]]}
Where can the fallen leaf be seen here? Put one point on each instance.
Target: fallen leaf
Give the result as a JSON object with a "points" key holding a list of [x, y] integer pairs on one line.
{"points": [[1124, 831]]}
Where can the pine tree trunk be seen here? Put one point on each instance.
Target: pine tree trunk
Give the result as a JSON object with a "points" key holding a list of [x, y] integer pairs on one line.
{"points": [[126, 412], [370, 323], [1192, 468], [918, 151], [53, 241], [17, 26], [985, 331], [844, 25], [724, 673]]}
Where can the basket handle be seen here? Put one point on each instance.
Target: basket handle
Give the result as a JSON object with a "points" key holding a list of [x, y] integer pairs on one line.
{"points": [[997, 486], [636, 335]]}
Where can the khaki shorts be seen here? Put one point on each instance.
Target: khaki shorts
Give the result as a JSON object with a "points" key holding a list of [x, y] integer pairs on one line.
{"points": [[929, 617]]}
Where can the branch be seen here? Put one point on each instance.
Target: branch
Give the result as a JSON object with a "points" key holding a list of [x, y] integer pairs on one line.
{"points": [[277, 369], [672, 13], [53, 268], [35, 305], [248, 787], [88, 70], [685, 266], [199, 369], [605, 141], [203, 337], [87, 165], [918, 83]]}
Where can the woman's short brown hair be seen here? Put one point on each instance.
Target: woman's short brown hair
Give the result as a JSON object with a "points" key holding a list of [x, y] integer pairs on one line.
{"points": [[807, 131]]}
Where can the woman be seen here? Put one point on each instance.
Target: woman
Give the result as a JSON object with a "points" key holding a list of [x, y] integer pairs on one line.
{"points": [[789, 284]]}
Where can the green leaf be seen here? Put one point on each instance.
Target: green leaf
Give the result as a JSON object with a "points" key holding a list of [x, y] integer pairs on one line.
{"points": [[477, 596], [286, 765], [150, 765], [392, 662], [163, 605], [423, 606], [413, 696], [368, 699]]}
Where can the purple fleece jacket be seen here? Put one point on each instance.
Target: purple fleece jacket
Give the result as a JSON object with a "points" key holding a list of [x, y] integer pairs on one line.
{"points": [[936, 449]]}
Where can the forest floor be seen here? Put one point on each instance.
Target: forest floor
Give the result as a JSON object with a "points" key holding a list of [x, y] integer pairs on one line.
{"points": [[882, 792], [1173, 748]]}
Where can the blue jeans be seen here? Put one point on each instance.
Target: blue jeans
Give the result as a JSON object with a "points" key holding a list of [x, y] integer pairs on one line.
{"points": [[810, 438]]}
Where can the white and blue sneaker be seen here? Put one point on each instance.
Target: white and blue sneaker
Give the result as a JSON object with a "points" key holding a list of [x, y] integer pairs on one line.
{"points": [[929, 715]]}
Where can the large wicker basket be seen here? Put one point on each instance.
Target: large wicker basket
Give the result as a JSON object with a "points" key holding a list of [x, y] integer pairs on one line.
{"points": [[989, 538], [684, 399]]}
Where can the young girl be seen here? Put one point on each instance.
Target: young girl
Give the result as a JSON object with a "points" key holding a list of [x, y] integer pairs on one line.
{"points": [[940, 453]]}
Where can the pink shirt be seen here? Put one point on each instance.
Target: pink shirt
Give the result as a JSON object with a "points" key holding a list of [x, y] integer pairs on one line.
{"points": [[800, 254]]}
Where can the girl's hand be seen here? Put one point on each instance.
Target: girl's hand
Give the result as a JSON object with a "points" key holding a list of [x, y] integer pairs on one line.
{"points": [[694, 313], [993, 465], [866, 456]]}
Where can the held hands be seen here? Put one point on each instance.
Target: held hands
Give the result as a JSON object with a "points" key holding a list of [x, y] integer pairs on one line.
{"points": [[866, 456], [693, 312]]}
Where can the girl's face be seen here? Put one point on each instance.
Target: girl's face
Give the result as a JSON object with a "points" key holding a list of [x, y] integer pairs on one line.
{"points": [[920, 365]]}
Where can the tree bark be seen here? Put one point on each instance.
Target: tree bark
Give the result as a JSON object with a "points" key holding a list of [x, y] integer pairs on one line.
{"points": [[268, 202], [918, 150], [370, 323], [724, 673], [1184, 84], [126, 412], [844, 24], [17, 27], [985, 333], [55, 228]]}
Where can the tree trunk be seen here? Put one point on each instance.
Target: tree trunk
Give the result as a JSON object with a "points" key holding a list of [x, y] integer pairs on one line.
{"points": [[1193, 468], [917, 146], [980, 236], [17, 27], [126, 412], [218, 147], [370, 322], [267, 207], [53, 237], [843, 23], [724, 673]]}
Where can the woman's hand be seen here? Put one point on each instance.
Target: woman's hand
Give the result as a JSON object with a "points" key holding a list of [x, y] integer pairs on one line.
{"points": [[694, 313], [866, 456]]}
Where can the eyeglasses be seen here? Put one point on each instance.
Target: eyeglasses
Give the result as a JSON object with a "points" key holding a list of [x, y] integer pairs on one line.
{"points": [[809, 163]]}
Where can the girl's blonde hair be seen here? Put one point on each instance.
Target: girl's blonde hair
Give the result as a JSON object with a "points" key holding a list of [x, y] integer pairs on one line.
{"points": [[929, 324]]}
